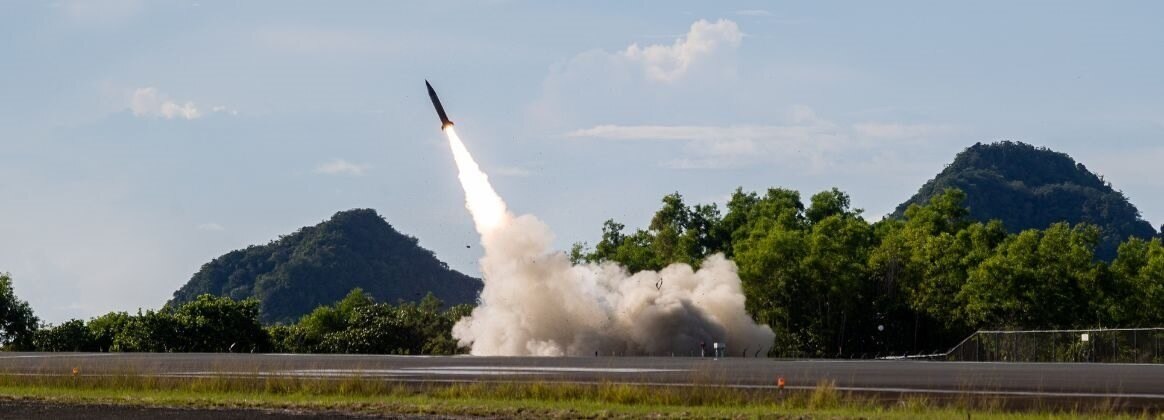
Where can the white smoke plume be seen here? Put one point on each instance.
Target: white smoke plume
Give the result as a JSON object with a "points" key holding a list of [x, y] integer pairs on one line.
{"points": [[536, 302]]}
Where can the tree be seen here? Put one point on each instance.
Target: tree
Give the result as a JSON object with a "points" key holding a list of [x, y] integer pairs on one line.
{"points": [[71, 335], [838, 248], [1137, 296], [309, 333], [218, 324], [103, 330], [921, 264], [1037, 279], [17, 322], [827, 203], [358, 324], [149, 331]]}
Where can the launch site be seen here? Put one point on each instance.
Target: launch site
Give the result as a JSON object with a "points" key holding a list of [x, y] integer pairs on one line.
{"points": [[778, 210]]}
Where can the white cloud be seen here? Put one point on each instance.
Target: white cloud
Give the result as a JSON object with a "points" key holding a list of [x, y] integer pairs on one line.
{"points": [[695, 132], [668, 63], [805, 140], [617, 83], [341, 167], [148, 102], [220, 108], [211, 227]]}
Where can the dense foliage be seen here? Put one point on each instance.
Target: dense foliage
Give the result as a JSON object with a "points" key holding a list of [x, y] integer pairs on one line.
{"points": [[356, 324], [319, 264], [1032, 188], [206, 324], [17, 322], [832, 284]]}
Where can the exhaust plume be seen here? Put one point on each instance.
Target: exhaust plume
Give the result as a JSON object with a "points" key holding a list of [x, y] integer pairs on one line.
{"points": [[536, 302]]}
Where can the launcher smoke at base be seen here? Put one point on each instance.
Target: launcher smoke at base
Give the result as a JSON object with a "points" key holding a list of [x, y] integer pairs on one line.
{"points": [[436, 102]]}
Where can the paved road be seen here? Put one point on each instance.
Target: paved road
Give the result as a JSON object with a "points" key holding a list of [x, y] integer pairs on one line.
{"points": [[1056, 380]]}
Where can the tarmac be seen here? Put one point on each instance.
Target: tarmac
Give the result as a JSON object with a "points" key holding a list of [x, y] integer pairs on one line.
{"points": [[1140, 381]]}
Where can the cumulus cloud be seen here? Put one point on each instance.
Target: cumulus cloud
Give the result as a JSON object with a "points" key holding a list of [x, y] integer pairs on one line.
{"points": [[341, 167], [148, 102], [637, 77], [668, 63]]}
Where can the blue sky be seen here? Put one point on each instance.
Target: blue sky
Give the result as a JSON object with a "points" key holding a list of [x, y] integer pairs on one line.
{"points": [[138, 140]]}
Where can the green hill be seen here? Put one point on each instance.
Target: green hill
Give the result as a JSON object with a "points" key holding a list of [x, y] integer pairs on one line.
{"points": [[1032, 187], [320, 264]]}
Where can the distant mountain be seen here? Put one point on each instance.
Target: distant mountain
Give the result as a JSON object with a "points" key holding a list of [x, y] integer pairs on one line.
{"points": [[320, 264], [1032, 187]]}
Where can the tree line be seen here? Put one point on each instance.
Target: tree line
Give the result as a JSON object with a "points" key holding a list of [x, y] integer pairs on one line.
{"points": [[830, 283], [355, 324]]}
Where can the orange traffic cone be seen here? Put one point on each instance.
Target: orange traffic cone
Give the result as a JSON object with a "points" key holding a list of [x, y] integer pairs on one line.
{"points": [[780, 383]]}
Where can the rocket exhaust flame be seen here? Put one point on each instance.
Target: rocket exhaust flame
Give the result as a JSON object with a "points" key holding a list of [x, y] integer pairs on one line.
{"points": [[483, 203], [536, 302]]}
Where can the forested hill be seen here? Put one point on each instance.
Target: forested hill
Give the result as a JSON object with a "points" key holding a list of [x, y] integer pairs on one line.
{"points": [[319, 265], [1032, 187]]}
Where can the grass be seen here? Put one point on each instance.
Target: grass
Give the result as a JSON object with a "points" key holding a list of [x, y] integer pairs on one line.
{"points": [[505, 399]]}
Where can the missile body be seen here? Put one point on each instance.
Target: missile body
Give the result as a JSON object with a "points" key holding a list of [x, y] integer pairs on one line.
{"points": [[436, 103]]}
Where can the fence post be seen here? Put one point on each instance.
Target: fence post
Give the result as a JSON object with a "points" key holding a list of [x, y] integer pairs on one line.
{"points": [[1014, 346], [1115, 347], [977, 346]]}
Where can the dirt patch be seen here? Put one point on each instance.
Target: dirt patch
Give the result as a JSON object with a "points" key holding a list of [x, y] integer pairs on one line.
{"points": [[41, 409]]}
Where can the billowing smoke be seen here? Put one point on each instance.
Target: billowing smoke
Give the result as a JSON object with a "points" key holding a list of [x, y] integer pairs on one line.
{"points": [[536, 302]]}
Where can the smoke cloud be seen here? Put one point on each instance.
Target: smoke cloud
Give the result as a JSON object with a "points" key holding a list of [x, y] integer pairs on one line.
{"points": [[536, 302]]}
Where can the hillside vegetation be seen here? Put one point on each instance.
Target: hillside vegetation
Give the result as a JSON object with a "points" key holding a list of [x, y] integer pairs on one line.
{"points": [[1027, 187], [319, 265]]}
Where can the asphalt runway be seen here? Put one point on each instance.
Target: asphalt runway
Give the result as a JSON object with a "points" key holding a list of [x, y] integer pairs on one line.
{"points": [[1061, 381]]}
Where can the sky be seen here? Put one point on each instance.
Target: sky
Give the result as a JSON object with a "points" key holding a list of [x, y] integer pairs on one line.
{"points": [[139, 140]]}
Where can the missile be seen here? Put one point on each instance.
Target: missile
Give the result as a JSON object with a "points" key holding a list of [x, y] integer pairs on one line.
{"points": [[436, 103]]}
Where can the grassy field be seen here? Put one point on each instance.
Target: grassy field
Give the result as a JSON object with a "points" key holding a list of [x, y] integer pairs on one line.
{"points": [[517, 400]]}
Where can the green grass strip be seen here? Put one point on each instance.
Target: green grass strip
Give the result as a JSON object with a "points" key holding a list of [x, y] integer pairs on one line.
{"points": [[510, 400]]}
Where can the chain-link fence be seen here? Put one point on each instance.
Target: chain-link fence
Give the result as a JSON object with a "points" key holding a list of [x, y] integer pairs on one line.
{"points": [[1121, 345]]}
